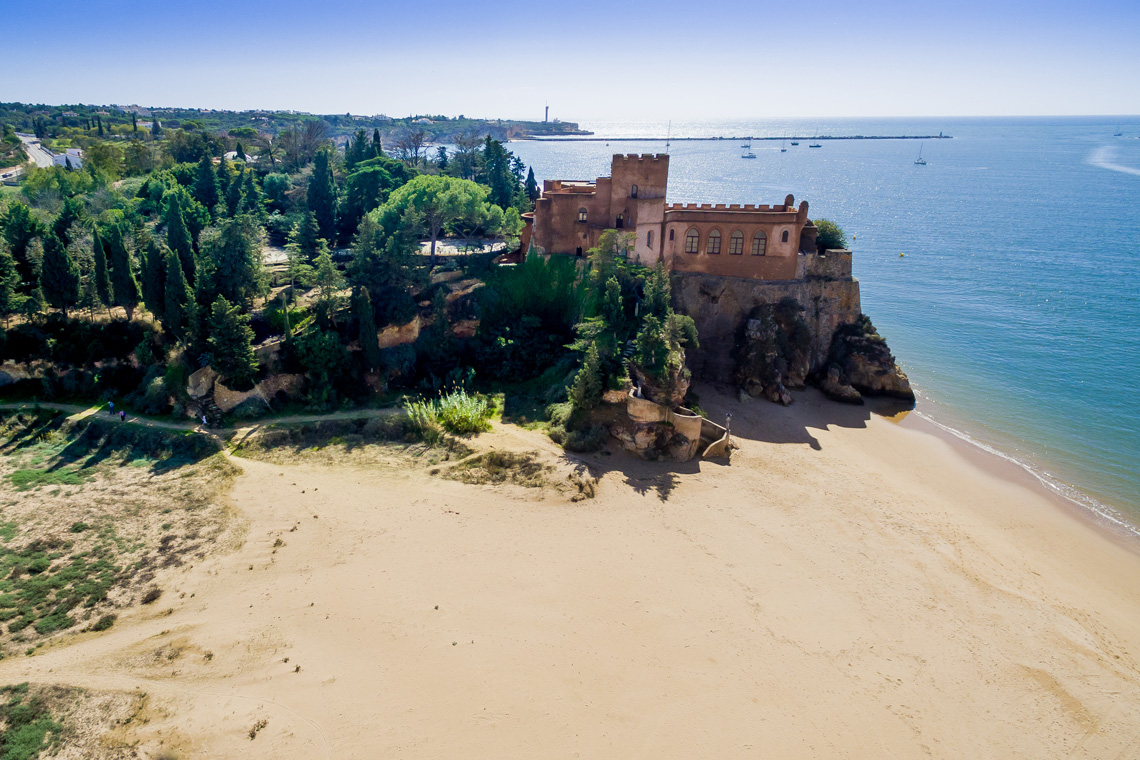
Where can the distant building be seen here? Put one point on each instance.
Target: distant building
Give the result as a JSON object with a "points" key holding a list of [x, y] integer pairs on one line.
{"points": [[423, 121], [73, 158], [70, 113], [758, 242]]}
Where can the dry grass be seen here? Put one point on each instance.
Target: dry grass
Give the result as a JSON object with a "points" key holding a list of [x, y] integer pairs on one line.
{"points": [[79, 723], [497, 466], [75, 549]]}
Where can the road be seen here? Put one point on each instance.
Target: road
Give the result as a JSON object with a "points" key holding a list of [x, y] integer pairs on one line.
{"points": [[36, 152]]}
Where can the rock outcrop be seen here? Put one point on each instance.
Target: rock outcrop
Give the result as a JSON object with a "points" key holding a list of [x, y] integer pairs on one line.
{"points": [[860, 361], [773, 352]]}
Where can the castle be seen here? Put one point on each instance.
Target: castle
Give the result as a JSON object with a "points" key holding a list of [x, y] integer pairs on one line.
{"points": [[757, 242]]}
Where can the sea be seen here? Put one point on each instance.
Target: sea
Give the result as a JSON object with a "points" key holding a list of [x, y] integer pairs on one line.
{"points": [[1004, 273]]}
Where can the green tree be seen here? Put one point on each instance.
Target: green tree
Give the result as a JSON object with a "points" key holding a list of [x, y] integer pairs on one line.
{"points": [[658, 293], [830, 235], [252, 199], [72, 213], [532, 190], [386, 266], [240, 151], [436, 201], [329, 283], [369, 338], [178, 236], [306, 236], [153, 279], [156, 130], [59, 276], [586, 391], [11, 301], [377, 144], [231, 260], [321, 195], [20, 228], [178, 306], [322, 355], [498, 171], [206, 183], [231, 342], [103, 291], [124, 285], [234, 193]]}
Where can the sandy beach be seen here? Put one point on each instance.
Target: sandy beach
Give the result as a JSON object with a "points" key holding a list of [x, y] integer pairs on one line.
{"points": [[848, 587]]}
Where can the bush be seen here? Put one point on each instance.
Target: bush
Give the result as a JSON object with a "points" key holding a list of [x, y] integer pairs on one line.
{"points": [[456, 412], [103, 623], [152, 595], [830, 235]]}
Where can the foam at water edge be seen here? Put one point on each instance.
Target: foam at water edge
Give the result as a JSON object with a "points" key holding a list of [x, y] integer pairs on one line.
{"points": [[1064, 490]]}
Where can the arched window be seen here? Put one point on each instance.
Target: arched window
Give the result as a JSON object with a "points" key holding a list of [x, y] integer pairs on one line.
{"points": [[692, 241], [670, 236], [633, 192], [649, 239], [759, 244], [714, 243], [620, 221], [578, 252], [736, 243], [581, 215], [784, 237]]}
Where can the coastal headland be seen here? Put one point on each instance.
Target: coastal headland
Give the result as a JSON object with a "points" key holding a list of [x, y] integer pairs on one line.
{"points": [[849, 586]]}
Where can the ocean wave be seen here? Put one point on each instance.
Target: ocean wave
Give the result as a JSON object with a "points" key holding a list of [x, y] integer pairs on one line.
{"points": [[1104, 158], [1099, 509]]}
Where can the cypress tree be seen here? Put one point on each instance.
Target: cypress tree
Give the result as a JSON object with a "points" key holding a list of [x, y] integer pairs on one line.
{"points": [[178, 300], [231, 341], [20, 230], [178, 237], [224, 177], [369, 339], [233, 195], [206, 183], [586, 391], [154, 278], [377, 145], [123, 281], [321, 196], [156, 130], [134, 122], [252, 199], [99, 121], [71, 213], [10, 298], [305, 236], [240, 152], [103, 290], [532, 190], [59, 276]]}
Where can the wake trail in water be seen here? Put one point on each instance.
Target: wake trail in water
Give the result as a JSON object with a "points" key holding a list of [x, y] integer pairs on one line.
{"points": [[1103, 158]]}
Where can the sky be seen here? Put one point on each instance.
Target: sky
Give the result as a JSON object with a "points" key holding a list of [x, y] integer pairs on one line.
{"points": [[594, 60]]}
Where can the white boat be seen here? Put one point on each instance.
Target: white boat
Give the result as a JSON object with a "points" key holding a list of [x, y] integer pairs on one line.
{"points": [[749, 154], [782, 148], [920, 161], [815, 145]]}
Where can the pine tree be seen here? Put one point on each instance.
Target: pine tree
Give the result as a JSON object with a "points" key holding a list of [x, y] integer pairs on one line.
{"points": [[103, 292], [59, 277], [224, 177], [206, 183], [658, 293], [532, 190], [377, 145], [178, 237], [156, 131], [231, 341], [154, 278], [321, 195], [233, 195], [124, 284], [252, 199], [71, 213], [10, 298], [306, 236], [179, 308], [369, 339], [240, 152], [586, 392]]}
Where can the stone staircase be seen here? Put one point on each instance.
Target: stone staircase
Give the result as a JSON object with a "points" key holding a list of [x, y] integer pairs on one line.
{"points": [[206, 406]]}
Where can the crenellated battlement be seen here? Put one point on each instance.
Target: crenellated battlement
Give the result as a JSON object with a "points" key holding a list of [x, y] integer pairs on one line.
{"points": [[642, 156], [728, 207]]}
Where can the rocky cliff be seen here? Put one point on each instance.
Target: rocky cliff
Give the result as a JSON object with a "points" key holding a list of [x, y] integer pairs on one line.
{"points": [[768, 336]]}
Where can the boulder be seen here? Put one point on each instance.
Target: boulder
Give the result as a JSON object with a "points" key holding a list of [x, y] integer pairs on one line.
{"points": [[834, 388], [863, 361]]}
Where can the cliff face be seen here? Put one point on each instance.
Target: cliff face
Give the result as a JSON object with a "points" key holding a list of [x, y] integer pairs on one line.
{"points": [[768, 336], [721, 307]]}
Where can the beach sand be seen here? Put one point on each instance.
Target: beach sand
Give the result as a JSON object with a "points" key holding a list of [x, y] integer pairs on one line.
{"points": [[848, 587]]}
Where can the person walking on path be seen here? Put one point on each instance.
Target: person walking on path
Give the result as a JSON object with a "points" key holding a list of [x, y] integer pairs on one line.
{"points": [[204, 423], [122, 416], [111, 405]]}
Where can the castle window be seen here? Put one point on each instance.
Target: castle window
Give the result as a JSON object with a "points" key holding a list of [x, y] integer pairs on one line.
{"points": [[670, 236], [714, 243], [759, 244], [620, 221], [784, 237], [649, 239], [736, 243], [692, 241], [581, 215], [633, 192]]}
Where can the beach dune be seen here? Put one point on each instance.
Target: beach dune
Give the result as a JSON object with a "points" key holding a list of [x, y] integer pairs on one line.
{"points": [[848, 586]]}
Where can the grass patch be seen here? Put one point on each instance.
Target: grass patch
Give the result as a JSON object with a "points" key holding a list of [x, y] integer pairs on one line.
{"points": [[25, 480], [29, 728], [456, 412], [496, 467]]}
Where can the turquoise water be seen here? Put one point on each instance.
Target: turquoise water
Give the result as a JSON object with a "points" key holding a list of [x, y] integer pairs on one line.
{"points": [[1016, 309]]}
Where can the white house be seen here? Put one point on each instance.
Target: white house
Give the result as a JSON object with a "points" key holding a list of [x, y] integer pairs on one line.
{"points": [[73, 156]]}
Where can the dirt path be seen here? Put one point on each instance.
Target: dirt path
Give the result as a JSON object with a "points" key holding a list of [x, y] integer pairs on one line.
{"points": [[79, 412]]}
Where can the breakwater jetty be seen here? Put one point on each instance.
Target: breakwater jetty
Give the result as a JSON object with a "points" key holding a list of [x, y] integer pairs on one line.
{"points": [[938, 136]]}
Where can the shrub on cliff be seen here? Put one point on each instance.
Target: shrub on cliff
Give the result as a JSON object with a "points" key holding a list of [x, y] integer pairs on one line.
{"points": [[830, 235]]}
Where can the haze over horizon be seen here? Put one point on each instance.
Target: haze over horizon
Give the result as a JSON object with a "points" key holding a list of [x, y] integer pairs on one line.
{"points": [[590, 60]]}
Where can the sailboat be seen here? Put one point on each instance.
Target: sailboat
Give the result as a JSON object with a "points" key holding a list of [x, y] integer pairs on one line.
{"points": [[920, 161], [748, 152], [1118, 132], [815, 145], [782, 148], [795, 142]]}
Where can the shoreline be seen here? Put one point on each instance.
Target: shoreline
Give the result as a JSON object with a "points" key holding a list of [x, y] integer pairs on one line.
{"points": [[1106, 519], [531, 138]]}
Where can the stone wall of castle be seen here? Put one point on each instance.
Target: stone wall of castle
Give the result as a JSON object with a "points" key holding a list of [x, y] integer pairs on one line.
{"points": [[720, 306]]}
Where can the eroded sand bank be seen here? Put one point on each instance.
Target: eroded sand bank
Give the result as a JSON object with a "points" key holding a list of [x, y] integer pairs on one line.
{"points": [[856, 590]]}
